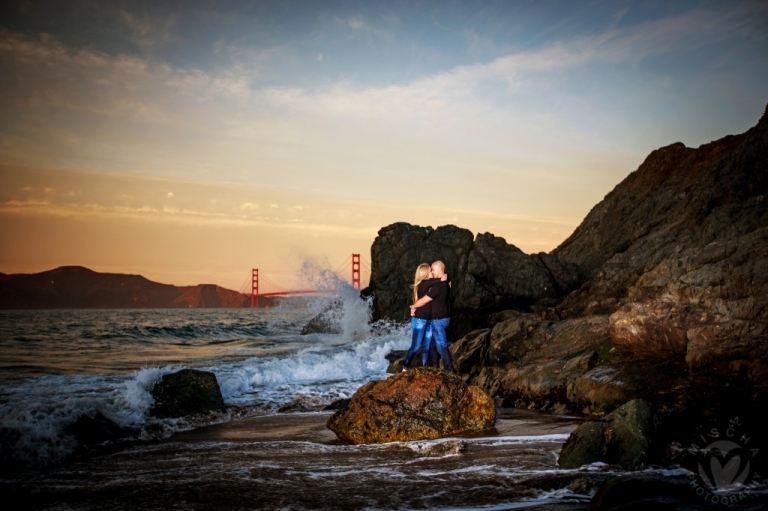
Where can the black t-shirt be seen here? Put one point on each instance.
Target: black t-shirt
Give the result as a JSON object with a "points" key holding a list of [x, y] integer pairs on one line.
{"points": [[425, 311], [440, 291]]}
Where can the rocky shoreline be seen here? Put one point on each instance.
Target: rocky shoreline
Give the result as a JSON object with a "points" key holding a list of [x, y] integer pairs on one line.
{"points": [[660, 295]]}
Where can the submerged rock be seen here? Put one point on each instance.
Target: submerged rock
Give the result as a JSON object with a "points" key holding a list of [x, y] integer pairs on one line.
{"points": [[327, 322], [435, 449], [419, 404], [623, 437], [304, 404], [339, 404], [98, 429], [187, 392]]}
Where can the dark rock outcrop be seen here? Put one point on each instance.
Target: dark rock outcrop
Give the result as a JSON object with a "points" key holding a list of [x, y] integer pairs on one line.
{"points": [[531, 361], [421, 403], [487, 274], [665, 288], [98, 429], [327, 322], [187, 392], [339, 404], [623, 437], [397, 251]]}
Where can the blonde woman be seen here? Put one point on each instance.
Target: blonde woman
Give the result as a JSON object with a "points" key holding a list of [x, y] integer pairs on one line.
{"points": [[421, 333]]}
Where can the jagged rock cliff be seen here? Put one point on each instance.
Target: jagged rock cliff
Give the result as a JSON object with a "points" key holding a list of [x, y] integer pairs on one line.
{"points": [[487, 273], [665, 288], [674, 308]]}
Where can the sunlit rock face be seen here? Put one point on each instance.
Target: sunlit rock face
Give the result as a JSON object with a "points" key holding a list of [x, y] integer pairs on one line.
{"points": [[675, 302], [661, 294], [687, 229], [419, 404]]}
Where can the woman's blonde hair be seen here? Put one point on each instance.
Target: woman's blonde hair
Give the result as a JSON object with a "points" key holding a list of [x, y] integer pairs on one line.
{"points": [[422, 273]]}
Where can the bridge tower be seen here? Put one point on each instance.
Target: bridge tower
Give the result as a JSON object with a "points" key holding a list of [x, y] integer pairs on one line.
{"points": [[356, 271], [254, 288]]}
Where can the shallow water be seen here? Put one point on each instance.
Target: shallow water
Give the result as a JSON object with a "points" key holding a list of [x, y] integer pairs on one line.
{"points": [[295, 462], [59, 365]]}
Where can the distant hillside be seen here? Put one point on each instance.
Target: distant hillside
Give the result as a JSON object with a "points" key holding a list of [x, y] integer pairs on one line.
{"points": [[72, 287]]}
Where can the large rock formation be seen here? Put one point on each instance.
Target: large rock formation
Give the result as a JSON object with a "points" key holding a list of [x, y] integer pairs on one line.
{"points": [[672, 303], [487, 274], [418, 404]]}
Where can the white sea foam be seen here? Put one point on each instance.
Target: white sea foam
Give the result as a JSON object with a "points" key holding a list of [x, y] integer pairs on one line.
{"points": [[318, 368], [512, 440], [40, 409], [334, 372]]}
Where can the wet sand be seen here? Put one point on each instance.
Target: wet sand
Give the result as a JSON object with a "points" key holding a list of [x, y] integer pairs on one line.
{"points": [[310, 427], [293, 461]]}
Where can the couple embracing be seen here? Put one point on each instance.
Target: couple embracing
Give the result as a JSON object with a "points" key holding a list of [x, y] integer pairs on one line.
{"points": [[430, 315]]}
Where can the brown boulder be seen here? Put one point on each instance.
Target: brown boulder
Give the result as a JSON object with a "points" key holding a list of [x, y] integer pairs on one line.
{"points": [[531, 361], [599, 390], [419, 404]]}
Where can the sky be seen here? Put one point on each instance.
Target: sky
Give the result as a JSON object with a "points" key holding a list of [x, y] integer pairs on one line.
{"points": [[193, 141]]}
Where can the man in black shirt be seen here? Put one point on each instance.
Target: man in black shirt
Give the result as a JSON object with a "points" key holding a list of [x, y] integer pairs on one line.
{"points": [[438, 297]]}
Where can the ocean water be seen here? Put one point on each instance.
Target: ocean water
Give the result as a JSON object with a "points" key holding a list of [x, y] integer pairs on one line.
{"points": [[57, 365]]}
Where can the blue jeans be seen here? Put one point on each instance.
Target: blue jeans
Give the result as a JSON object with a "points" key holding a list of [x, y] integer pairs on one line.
{"points": [[438, 327], [420, 331]]}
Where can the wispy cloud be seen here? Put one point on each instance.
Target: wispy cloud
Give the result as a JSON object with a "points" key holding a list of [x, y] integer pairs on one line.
{"points": [[519, 70], [144, 29], [354, 22]]}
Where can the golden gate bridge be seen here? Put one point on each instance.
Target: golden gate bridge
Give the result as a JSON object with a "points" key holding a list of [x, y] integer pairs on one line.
{"points": [[352, 267]]}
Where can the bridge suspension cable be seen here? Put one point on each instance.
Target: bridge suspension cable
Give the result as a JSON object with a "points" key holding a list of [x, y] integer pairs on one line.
{"points": [[354, 264]]}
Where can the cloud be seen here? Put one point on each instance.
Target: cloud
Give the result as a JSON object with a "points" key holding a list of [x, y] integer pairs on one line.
{"points": [[170, 195], [204, 87], [145, 30], [456, 88], [92, 81], [353, 22], [173, 216], [249, 206]]}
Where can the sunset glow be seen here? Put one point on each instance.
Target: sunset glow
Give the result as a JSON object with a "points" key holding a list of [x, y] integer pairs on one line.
{"points": [[192, 142]]}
